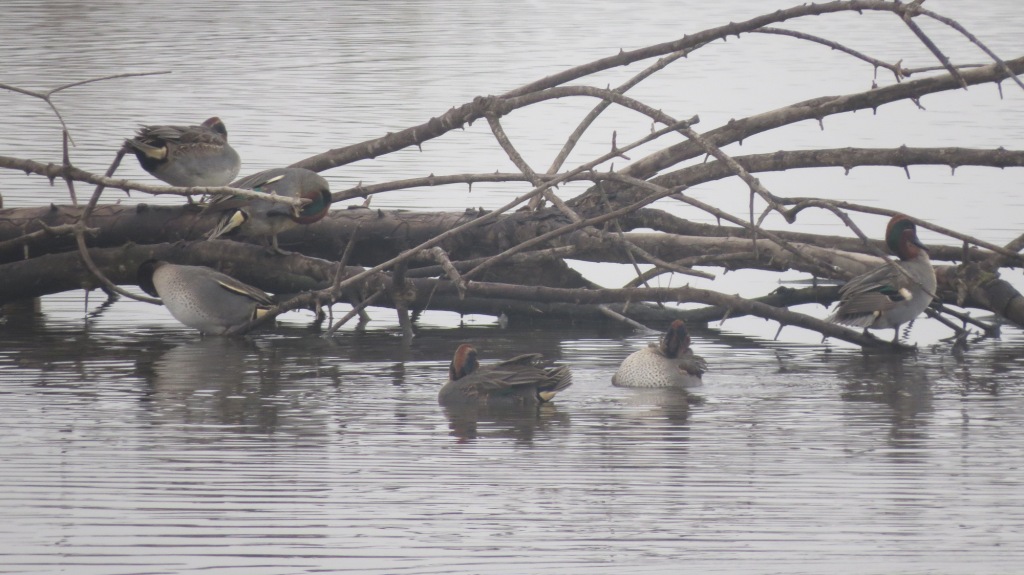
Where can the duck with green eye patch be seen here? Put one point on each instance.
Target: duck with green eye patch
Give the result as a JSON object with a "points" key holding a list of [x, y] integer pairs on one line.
{"points": [[894, 293], [257, 218]]}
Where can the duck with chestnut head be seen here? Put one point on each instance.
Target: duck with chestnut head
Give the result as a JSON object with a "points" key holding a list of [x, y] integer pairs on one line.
{"points": [[522, 381], [894, 293]]}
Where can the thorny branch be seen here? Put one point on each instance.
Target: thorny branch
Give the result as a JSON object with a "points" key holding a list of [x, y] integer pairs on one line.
{"points": [[439, 267]]}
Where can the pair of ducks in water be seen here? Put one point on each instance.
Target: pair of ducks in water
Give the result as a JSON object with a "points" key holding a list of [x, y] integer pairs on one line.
{"points": [[200, 156], [212, 302], [526, 381], [883, 298]]}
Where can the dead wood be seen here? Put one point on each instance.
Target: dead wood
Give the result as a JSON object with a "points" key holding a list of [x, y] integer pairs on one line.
{"points": [[513, 260]]}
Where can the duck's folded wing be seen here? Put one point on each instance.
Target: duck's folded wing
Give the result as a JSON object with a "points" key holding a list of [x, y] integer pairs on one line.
{"points": [[232, 285], [253, 182], [165, 133], [874, 280], [200, 135], [525, 359], [259, 179], [693, 364]]}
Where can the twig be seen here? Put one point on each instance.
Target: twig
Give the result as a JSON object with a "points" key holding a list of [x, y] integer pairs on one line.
{"points": [[520, 258], [361, 190], [898, 71], [622, 236], [494, 214], [458, 117], [449, 269], [398, 296], [907, 18], [356, 310], [45, 231], [66, 155], [802, 203], [965, 318], [47, 95], [815, 109], [711, 260], [521, 163], [956, 26], [52, 171], [621, 318], [83, 251], [658, 191], [603, 105]]}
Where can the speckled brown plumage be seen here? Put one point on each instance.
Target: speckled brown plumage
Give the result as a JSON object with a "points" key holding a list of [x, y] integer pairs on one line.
{"points": [[668, 363], [186, 156]]}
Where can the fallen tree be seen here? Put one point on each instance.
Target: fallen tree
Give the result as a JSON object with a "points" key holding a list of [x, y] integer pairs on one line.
{"points": [[512, 260]]}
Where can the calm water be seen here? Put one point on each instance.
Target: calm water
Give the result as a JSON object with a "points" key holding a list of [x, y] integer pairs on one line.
{"points": [[130, 445]]}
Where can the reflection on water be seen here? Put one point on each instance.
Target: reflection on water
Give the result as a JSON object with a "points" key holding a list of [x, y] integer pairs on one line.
{"points": [[287, 452], [900, 383], [129, 444], [203, 382], [472, 422]]}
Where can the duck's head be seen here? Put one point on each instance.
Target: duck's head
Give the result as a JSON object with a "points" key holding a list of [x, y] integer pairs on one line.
{"points": [[216, 125], [144, 276], [464, 362], [315, 189], [676, 340], [901, 238]]}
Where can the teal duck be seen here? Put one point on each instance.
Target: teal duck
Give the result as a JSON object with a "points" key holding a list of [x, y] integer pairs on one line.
{"points": [[201, 297], [894, 293], [524, 380], [263, 219], [668, 363], [186, 156]]}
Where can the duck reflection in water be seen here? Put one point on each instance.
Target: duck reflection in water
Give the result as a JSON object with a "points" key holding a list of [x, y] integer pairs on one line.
{"points": [[214, 381], [900, 383], [470, 422]]}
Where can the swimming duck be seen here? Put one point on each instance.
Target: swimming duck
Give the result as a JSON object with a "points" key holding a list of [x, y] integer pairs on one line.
{"points": [[201, 297], [670, 362], [186, 156], [521, 381], [263, 219], [894, 293]]}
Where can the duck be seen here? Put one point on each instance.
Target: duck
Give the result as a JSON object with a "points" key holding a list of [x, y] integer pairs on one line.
{"points": [[668, 363], [264, 219], [203, 298], [186, 156], [522, 381], [894, 293]]}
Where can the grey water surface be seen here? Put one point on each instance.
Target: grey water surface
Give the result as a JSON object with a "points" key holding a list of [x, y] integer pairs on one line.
{"points": [[129, 444]]}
